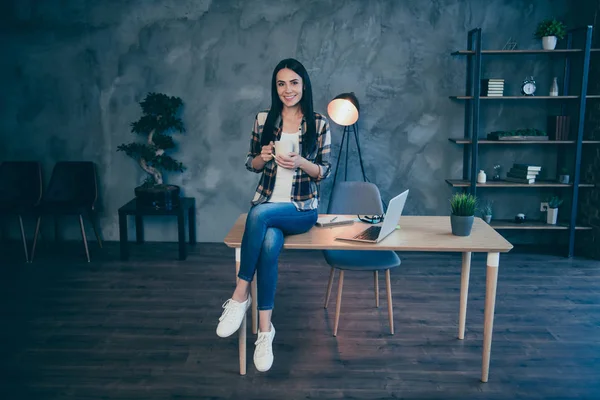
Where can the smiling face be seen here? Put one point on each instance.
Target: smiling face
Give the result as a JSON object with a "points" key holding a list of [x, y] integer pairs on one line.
{"points": [[289, 87]]}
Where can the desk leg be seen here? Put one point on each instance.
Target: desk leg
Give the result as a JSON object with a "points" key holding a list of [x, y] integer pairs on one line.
{"points": [[192, 224], [139, 229], [254, 291], [464, 292], [123, 236], [242, 330], [493, 261], [181, 235]]}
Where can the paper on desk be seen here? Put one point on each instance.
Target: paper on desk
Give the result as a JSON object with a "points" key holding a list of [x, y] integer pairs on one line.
{"points": [[333, 220]]}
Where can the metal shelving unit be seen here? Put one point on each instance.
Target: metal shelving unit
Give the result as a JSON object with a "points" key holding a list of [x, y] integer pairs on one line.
{"points": [[471, 140]]}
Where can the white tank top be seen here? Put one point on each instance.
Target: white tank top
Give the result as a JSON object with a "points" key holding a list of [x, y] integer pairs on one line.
{"points": [[282, 191]]}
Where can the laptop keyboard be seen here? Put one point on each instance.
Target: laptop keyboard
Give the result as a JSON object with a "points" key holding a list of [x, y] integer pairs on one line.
{"points": [[371, 233]]}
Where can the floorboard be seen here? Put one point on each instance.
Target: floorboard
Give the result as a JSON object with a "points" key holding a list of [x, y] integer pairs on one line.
{"points": [[145, 328]]}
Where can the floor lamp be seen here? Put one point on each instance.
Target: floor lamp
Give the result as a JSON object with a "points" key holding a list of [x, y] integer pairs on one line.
{"points": [[343, 110]]}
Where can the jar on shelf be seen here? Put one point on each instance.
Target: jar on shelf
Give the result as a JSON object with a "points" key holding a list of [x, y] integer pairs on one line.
{"points": [[481, 177]]}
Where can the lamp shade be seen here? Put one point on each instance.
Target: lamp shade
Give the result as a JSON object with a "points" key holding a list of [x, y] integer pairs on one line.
{"points": [[343, 109]]}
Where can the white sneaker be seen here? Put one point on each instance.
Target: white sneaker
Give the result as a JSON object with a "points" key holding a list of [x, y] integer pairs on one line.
{"points": [[232, 317], [263, 353]]}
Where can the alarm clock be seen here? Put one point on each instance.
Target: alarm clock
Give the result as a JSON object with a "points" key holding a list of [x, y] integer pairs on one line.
{"points": [[528, 86]]}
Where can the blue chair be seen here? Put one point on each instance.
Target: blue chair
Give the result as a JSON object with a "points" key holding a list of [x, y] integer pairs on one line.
{"points": [[359, 198], [72, 190], [21, 191]]}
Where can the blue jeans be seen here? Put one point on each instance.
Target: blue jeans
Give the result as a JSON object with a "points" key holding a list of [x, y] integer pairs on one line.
{"points": [[266, 225]]}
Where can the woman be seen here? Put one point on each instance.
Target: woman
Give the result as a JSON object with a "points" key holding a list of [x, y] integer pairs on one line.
{"points": [[286, 198]]}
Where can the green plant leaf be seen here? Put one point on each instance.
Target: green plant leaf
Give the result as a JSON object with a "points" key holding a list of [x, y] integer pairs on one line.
{"points": [[463, 204], [551, 27]]}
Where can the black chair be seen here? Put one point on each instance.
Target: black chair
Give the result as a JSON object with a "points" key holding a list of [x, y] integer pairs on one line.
{"points": [[73, 190], [20, 191], [359, 198]]}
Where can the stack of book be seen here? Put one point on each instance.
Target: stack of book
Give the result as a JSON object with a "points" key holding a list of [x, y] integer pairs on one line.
{"points": [[492, 87], [558, 127], [523, 173]]}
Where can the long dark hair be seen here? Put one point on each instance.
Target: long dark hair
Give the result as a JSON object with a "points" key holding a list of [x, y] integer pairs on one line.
{"points": [[309, 140]]}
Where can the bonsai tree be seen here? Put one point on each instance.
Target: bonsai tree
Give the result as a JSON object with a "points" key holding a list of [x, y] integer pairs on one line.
{"points": [[551, 27], [158, 120]]}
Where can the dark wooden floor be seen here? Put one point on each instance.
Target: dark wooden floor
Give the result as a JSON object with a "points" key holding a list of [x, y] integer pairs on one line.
{"points": [[145, 329]]}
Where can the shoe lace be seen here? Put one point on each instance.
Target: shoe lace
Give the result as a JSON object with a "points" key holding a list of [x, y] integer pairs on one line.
{"points": [[228, 307], [263, 345]]}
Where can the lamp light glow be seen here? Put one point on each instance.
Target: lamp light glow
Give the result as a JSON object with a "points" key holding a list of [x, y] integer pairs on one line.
{"points": [[343, 109]]}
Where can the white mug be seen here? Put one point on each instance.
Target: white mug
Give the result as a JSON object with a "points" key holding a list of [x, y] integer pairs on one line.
{"points": [[284, 147]]}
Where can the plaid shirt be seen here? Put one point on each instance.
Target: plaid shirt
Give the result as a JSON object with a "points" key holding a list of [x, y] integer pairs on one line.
{"points": [[305, 189]]}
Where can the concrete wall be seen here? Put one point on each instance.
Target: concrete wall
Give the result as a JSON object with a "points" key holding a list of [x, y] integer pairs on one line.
{"points": [[73, 73]]}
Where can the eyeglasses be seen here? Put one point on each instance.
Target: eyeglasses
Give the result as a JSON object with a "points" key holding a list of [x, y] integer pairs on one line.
{"points": [[371, 219]]}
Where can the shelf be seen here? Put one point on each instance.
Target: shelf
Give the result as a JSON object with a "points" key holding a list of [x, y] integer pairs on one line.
{"points": [[485, 141], [496, 184], [510, 224], [503, 52], [577, 100], [516, 97], [591, 96]]}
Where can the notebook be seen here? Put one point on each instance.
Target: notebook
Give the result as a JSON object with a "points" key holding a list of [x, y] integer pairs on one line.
{"points": [[333, 220]]}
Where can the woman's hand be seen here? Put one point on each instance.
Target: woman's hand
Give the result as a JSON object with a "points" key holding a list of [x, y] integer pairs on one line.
{"points": [[266, 153], [289, 160]]}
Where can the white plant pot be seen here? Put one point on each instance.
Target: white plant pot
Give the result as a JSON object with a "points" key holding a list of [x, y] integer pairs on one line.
{"points": [[549, 42], [551, 216]]}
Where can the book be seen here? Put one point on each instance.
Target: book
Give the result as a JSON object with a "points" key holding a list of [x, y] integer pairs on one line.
{"points": [[522, 173], [491, 86], [521, 176], [558, 127], [333, 220], [519, 180], [527, 167]]}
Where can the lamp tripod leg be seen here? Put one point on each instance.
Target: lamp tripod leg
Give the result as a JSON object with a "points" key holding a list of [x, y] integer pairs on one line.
{"points": [[362, 168], [346, 132], [338, 162]]}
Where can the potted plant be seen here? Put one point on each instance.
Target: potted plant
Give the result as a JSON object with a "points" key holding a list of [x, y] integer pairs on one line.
{"points": [[159, 119], [486, 212], [549, 30], [564, 175], [552, 211], [463, 207]]}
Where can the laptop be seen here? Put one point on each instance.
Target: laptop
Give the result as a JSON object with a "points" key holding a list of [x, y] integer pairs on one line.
{"points": [[375, 234]]}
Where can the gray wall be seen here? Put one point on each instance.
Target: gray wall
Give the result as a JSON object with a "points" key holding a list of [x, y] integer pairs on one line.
{"points": [[73, 72]]}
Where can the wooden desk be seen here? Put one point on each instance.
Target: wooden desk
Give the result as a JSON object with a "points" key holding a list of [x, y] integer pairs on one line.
{"points": [[417, 233]]}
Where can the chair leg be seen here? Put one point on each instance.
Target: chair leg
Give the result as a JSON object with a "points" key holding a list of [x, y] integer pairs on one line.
{"points": [[93, 221], [331, 275], [24, 239], [37, 230], [87, 253], [338, 304], [388, 287], [376, 279]]}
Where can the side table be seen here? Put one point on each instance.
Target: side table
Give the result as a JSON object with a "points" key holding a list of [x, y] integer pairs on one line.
{"points": [[186, 205]]}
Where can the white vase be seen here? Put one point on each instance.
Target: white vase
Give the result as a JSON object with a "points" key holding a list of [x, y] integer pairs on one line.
{"points": [[549, 42], [551, 216], [481, 177], [554, 87]]}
